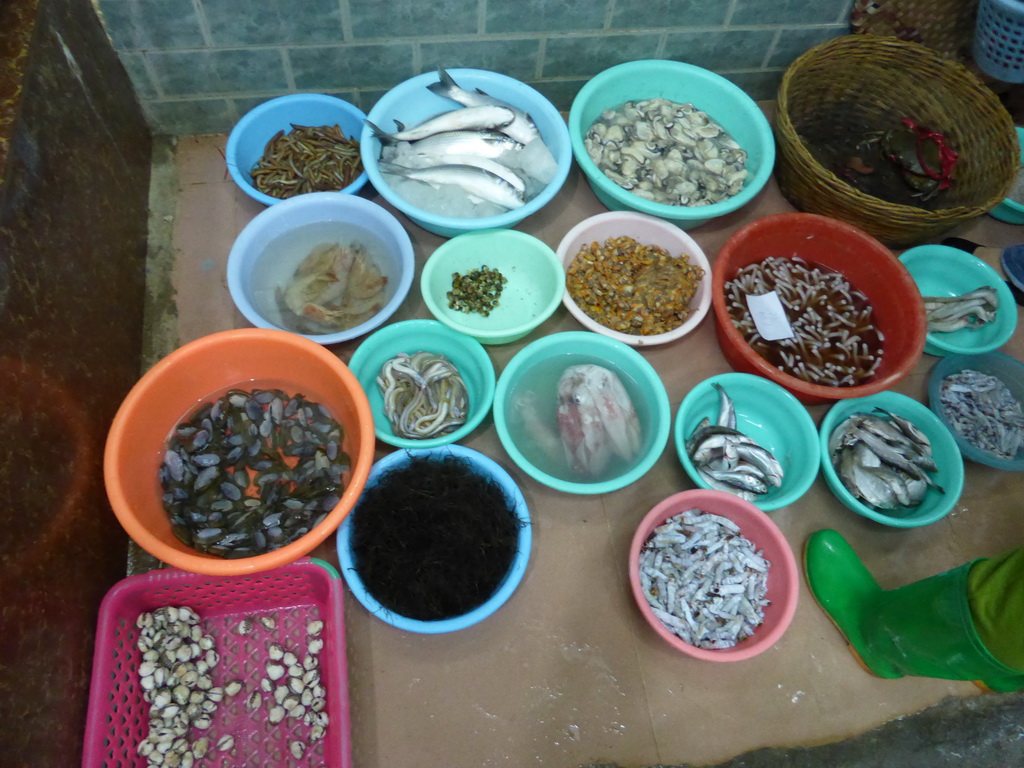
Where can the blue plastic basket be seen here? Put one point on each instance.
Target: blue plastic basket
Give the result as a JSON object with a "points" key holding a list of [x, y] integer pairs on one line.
{"points": [[999, 39]]}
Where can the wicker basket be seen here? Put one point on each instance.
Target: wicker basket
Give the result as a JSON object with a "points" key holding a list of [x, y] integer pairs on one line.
{"points": [[847, 87]]}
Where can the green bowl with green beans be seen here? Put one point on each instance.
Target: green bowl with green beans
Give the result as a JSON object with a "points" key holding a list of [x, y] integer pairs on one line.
{"points": [[495, 285]]}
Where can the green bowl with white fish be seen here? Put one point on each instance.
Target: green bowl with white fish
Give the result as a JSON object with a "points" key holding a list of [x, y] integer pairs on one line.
{"points": [[969, 307], [901, 460], [746, 435], [978, 398]]}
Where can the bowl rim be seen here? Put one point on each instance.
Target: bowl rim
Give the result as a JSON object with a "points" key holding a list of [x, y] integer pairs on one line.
{"points": [[650, 376], [505, 589], [801, 420], [952, 364], [697, 498], [368, 146], [666, 229], [415, 327], [549, 261], [252, 234], [197, 562], [895, 401], [935, 343], [800, 387], [1007, 202], [752, 112], [270, 105]]}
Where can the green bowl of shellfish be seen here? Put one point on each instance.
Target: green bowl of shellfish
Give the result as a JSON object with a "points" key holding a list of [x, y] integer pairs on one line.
{"points": [[672, 140], [427, 384]]}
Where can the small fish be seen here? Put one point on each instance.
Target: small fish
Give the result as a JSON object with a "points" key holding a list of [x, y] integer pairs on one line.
{"points": [[475, 182], [521, 128], [484, 163], [479, 143], [726, 410], [484, 118]]}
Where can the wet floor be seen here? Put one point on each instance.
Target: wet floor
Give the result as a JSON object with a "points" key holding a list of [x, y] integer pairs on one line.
{"points": [[567, 673]]}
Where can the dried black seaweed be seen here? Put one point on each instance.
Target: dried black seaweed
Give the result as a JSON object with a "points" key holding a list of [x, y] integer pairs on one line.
{"points": [[433, 538]]}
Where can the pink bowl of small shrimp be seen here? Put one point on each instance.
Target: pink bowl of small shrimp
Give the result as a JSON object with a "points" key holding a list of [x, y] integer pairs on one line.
{"points": [[713, 576]]}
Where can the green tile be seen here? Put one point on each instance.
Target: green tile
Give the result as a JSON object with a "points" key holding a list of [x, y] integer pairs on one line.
{"points": [[789, 12], [351, 66], [587, 56], [412, 18], [183, 73], [544, 16], [794, 42], [760, 86], [560, 92], [273, 22], [142, 83], [151, 24], [636, 14], [515, 58], [189, 117], [720, 50]]}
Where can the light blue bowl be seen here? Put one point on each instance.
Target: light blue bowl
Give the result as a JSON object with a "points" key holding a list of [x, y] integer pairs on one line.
{"points": [[248, 139], [534, 372], [1008, 370], [411, 336], [410, 103], [766, 413], [940, 270], [725, 102], [267, 251], [481, 464], [1009, 210], [950, 476]]}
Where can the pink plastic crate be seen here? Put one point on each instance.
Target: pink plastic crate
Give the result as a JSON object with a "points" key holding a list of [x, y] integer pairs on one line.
{"points": [[294, 594]]}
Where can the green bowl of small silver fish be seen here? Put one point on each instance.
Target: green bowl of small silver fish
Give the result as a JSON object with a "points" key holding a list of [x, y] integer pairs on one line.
{"points": [[978, 398], [455, 372], [882, 451], [968, 306], [746, 435]]}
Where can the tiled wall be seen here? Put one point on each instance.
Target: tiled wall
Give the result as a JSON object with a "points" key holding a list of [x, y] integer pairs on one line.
{"points": [[198, 65]]}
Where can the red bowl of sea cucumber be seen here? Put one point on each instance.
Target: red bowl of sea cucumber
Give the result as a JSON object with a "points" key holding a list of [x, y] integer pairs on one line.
{"points": [[845, 317], [713, 575]]}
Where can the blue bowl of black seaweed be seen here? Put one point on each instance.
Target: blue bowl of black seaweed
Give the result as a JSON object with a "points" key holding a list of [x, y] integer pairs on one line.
{"points": [[438, 541]]}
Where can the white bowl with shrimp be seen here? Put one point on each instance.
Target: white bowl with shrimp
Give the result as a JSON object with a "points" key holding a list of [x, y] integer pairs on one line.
{"points": [[647, 231], [412, 103], [280, 275]]}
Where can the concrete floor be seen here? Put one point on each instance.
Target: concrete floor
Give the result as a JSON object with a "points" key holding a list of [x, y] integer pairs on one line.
{"points": [[567, 673]]}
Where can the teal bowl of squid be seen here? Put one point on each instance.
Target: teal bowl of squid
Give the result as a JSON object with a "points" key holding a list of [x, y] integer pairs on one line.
{"points": [[582, 413], [400, 418], [771, 417], [945, 484]]}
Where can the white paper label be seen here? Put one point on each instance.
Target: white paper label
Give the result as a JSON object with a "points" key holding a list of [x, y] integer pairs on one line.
{"points": [[769, 316]]}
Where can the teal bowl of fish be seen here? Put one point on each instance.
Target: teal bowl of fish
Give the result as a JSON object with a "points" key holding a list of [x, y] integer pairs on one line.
{"points": [[978, 398], [280, 130], [581, 413], [495, 285], [444, 557], [968, 306], [465, 149], [672, 140], [427, 385], [748, 436], [889, 458], [326, 266]]}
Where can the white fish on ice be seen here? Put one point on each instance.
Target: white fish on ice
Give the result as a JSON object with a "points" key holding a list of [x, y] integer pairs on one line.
{"points": [[521, 128]]}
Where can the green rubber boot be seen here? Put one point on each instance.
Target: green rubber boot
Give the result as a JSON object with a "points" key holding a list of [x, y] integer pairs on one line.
{"points": [[924, 629]]}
